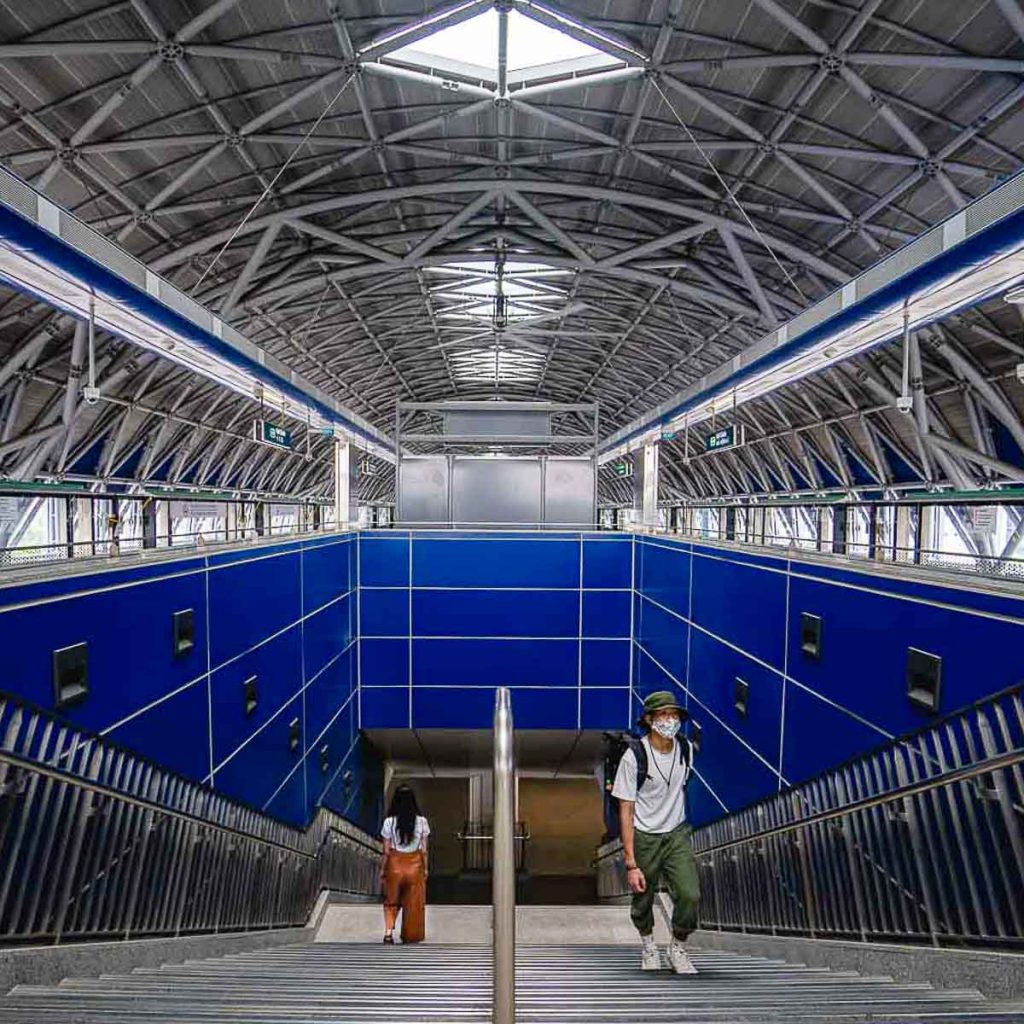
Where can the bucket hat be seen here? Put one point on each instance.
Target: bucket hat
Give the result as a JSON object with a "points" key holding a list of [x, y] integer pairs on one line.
{"points": [[661, 700]]}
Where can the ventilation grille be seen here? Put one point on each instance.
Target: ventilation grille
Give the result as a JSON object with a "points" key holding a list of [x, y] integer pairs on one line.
{"points": [[899, 263], [18, 195], [1006, 199], [93, 244], [820, 311], [187, 307]]}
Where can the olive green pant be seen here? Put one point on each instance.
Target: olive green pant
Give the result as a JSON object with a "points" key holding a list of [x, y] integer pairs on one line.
{"points": [[669, 858]]}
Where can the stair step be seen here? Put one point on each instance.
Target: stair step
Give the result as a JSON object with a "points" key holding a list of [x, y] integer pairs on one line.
{"points": [[332, 983]]}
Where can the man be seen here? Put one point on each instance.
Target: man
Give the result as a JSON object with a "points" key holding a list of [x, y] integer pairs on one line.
{"points": [[655, 836]]}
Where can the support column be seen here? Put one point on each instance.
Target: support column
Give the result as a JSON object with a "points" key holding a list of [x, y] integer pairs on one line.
{"points": [[69, 525], [647, 486], [904, 550], [730, 523], [317, 519], [873, 512], [924, 531], [840, 520], [342, 484], [261, 518], [82, 533], [149, 524]]}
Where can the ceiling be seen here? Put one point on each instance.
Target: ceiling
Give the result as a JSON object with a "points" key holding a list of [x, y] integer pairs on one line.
{"points": [[648, 215]]}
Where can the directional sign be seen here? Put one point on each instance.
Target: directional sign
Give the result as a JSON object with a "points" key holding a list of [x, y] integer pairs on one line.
{"points": [[623, 468], [270, 433], [728, 437], [668, 435]]}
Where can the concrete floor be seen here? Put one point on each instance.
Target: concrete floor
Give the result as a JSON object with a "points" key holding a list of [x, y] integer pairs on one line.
{"points": [[454, 925]]}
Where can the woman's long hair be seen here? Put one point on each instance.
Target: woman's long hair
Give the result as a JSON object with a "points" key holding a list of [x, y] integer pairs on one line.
{"points": [[404, 810]]}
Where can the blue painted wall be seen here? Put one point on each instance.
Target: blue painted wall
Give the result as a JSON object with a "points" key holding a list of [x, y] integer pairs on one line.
{"points": [[705, 616], [284, 613], [444, 618], [391, 629]]}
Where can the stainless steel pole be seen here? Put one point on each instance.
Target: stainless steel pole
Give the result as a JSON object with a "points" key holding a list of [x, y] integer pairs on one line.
{"points": [[504, 871]]}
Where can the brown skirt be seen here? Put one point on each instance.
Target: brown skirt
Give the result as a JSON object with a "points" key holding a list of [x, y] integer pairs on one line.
{"points": [[405, 889]]}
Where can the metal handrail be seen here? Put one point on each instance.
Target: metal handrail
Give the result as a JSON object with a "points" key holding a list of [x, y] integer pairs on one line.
{"points": [[99, 843], [920, 840], [867, 803], [504, 872]]}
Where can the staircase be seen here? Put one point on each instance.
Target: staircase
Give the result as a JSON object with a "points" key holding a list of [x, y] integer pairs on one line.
{"points": [[334, 983]]}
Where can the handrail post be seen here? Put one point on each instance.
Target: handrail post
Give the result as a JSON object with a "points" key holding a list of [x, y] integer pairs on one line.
{"points": [[504, 867]]}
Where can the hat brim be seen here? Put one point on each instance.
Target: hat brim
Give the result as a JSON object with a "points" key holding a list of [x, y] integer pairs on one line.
{"points": [[683, 713]]}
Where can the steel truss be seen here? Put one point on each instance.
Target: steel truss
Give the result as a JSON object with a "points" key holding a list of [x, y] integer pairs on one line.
{"points": [[841, 131]]}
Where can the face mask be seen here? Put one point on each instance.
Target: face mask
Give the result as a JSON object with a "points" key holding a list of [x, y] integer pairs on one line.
{"points": [[667, 727]]}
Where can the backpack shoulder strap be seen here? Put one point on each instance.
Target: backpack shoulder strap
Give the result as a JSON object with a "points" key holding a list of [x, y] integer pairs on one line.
{"points": [[640, 753]]}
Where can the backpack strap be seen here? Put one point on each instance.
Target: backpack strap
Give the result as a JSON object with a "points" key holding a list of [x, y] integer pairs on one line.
{"points": [[640, 753]]}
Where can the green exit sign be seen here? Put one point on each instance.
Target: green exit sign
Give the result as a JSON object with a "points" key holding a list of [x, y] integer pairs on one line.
{"points": [[728, 437], [668, 435], [623, 468], [272, 434]]}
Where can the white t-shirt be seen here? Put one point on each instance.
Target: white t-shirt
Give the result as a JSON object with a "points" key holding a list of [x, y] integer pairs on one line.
{"points": [[661, 805], [389, 831]]}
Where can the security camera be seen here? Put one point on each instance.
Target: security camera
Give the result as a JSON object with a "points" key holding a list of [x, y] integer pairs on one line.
{"points": [[90, 395], [905, 404]]}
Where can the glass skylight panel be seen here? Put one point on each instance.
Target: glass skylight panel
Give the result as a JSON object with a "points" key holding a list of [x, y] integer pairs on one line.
{"points": [[496, 366], [471, 48]]}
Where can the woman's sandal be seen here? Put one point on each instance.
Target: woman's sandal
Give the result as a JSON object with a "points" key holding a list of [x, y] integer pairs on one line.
{"points": [[389, 940]]}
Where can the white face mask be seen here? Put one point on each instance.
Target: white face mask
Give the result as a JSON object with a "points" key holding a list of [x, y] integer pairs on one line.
{"points": [[667, 727]]}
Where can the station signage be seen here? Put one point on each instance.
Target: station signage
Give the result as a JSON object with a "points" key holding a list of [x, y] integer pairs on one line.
{"points": [[623, 468], [668, 435], [272, 434], [728, 437]]}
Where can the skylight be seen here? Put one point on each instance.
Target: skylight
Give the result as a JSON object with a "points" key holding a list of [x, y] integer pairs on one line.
{"points": [[470, 49], [496, 365], [472, 293]]}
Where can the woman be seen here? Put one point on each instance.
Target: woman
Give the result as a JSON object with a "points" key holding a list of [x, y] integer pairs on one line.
{"points": [[404, 868]]}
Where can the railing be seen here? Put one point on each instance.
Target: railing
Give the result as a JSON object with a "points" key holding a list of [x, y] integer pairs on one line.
{"points": [[96, 842], [919, 841], [107, 548], [1002, 566], [504, 873], [477, 839]]}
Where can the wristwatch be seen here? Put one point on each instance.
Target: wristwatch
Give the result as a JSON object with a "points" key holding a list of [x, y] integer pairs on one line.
{"points": [[632, 867]]}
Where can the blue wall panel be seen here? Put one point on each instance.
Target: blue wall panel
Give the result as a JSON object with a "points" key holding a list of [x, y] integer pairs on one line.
{"points": [[466, 708], [383, 662], [605, 708], [383, 560], [663, 574], [128, 631], [384, 707], [495, 563], [276, 610], [277, 667], [325, 632], [743, 604], [383, 612], [270, 583], [824, 710], [497, 662], [175, 732], [608, 564], [606, 613], [605, 663], [497, 613]]}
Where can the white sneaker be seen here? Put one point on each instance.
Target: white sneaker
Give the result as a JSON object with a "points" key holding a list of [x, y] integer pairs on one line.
{"points": [[679, 960], [650, 958]]}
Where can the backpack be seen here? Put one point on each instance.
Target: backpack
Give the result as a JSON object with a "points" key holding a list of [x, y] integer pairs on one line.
{"points": [[618, 744]]}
